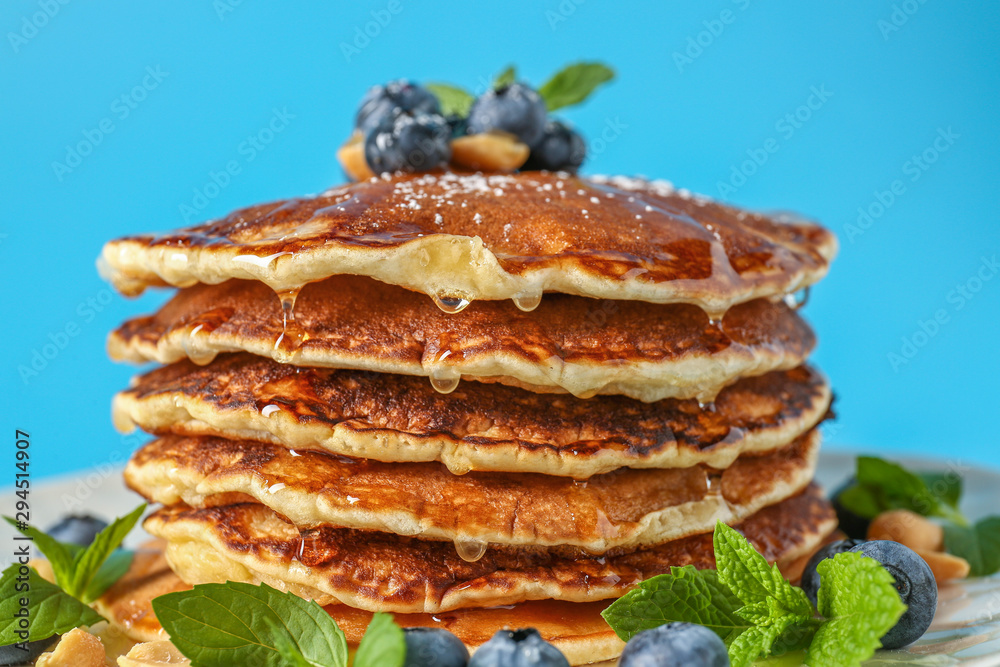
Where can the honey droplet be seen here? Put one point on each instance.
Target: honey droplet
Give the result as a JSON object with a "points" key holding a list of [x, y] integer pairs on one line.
{"points": [[292, 336], [528, 302], [196, 347], [706, 406], [451, 304], [796, 300], [713, 484], [470, 550], [444, 382]]}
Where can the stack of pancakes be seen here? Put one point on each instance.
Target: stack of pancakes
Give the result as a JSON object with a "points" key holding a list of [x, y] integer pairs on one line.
{"points": [[475, 401]]}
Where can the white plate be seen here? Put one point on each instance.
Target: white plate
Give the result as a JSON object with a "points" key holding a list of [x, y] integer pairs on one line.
{"points": [[966, 629]]}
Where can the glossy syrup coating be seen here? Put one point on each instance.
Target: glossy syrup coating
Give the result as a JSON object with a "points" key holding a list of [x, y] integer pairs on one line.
{"points": [[567, 344], [621, 509], [461, 236], [384, 572], [479, 426]]}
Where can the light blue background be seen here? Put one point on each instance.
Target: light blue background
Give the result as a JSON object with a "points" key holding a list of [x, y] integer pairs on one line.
{"points": [[226, 71]]}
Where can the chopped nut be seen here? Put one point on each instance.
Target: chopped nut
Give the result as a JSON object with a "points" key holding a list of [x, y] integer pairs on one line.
{"points": [[352, 158], [77, 648], [945, 567], [493, 151], [153, 654], [909, 529]]}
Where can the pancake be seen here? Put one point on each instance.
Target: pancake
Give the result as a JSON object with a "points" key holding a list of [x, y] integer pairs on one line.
{"points": [[384, 572], [577, 629], [464, 237], [397, 418], [622, 509], [569, 344]]}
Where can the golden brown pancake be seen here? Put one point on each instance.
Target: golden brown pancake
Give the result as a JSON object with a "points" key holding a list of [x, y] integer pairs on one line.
{"points": [[477, 427], [384, 572], [583, 346], [621, 509], [577, 629], [472, 236]]}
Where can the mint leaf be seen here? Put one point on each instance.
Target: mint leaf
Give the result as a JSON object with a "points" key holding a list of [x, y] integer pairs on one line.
{"points": [[217, 625], [60, 555], [50, 610], [686, 594], [289, 652], [454, 101], [573, 84], [88, 562], [383, 644], [978, 544], [110, 571], [759, 640], [750, 577], [858, 597], [946, 486], [505, 78], [883, 485]]}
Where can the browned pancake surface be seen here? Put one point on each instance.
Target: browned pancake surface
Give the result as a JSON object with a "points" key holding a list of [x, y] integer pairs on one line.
{"points": [[611, 238], [373, 570], [478, 426], [625, 508], [584, 346]]}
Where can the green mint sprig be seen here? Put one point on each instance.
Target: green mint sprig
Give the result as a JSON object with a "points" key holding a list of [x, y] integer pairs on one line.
{"points": [[569, 86], [82, 575], [884, 485], [758, 613], [216, 625]]}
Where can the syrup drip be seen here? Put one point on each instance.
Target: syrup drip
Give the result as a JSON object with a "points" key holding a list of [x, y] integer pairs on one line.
{"points": [[445, 380], [706, 406], [796, 300], [713, 484], [194, 348], [528, 302], [470, 550], [451, 304], [292, 336]]}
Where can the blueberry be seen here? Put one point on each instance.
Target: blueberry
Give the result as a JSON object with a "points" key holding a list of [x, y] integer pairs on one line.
{"points": [[77, 529], [11, 655], [853, 525], [560, 148], [514, 108], [521, 648], [916, 586], [381, 101], [810, 578], [675, 645], [434, 647], [408, 142]]}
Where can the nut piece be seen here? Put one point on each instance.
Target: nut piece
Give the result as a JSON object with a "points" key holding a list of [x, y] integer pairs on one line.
{"points": [[945, 566], [153, 654], [492, 151], [77, 648], [909, 529], [352, 158]]}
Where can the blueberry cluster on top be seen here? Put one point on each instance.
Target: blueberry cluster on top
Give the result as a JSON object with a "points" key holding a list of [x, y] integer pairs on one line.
{"points": [[404, 128], [407, 127]]}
